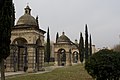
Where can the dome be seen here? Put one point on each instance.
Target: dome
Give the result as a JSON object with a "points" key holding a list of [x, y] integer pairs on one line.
{"points": [[63, 38], [27, 19]]}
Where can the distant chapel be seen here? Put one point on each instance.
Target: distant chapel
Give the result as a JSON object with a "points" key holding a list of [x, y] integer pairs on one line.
{"points": [[65, 52]]}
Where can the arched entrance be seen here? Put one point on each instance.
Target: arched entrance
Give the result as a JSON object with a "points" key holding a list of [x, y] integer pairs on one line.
{"points": [[61, 57], [75, 57], [19, 56]]}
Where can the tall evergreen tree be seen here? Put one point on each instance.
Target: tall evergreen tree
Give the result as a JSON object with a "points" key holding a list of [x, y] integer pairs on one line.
{"points": [[81, 47], [86, 42], [13, 15], [57, 36], [2, 3], [48, 47], [6, 22], [37, 21], [90, 45]]}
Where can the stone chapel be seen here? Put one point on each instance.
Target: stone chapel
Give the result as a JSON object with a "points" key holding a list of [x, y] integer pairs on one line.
{"points": [[65, 52], [27, 45]]}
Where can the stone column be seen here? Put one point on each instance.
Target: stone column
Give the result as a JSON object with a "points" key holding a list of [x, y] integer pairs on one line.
{"points": [[8, 64], [72, 58], [56, 59], [68, 59], [41, 59], [31, 59], [79, 58], [11, 61]]}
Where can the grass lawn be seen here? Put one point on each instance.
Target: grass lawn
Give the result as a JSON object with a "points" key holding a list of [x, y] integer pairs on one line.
{"points": [[75, 72]]}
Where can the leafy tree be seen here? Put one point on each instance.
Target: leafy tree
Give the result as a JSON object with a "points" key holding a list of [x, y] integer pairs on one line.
{"points": [[104, 65], [81, 48], [86, 42], [57, 36], [6, 22], [48, 47], [90, 46]]}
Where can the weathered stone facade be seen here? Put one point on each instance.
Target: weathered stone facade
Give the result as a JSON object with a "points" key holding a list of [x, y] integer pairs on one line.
{"points": [[65, 52], [27, 45]]}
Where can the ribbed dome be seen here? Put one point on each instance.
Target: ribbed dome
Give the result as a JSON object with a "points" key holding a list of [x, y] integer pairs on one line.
{"points": [[63, 38], [27, 19]]}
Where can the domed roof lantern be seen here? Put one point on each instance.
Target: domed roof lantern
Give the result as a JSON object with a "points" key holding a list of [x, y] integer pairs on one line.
{"points": [[27, 10], [63, 33], [27, 19]]}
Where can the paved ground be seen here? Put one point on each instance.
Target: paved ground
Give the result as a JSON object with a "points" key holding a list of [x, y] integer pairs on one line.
{"points": [[47, 69], [21, 73]]}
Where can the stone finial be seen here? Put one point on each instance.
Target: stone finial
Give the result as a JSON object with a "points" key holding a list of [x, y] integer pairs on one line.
{"points": [[27, 10], [76, 41], [63, 33]]}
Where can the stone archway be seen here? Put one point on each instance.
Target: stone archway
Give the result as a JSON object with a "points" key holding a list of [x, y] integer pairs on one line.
{"points": [[75, 57], [61, 57], [20, 55]]}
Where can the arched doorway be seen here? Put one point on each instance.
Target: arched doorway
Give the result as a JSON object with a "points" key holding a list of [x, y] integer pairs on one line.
{"points": [[75, 57], [61, 57], [20, 56]]}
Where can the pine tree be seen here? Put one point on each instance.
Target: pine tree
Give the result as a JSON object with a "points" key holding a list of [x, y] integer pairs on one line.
{"points": [[48, 47], [90, 45], [57, 36], [6, 23], [81, 47], [86, 42]]}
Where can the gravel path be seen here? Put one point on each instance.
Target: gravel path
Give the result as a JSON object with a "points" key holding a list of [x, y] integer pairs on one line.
{"points": [[21, 73]]}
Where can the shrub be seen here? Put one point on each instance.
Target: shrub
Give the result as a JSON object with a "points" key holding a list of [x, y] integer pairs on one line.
{"points": [[104, 65]]}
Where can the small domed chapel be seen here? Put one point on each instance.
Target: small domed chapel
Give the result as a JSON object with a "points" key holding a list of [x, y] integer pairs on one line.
{"points": [[27, 45], [65, 52]]}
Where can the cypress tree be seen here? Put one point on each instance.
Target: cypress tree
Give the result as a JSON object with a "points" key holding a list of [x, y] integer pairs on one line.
{"points": [[86, 42], [90, 45], [48, 47], [13, 15], [37, 21], [2, 3], [57, 36], [6, 23], [81, 47]]}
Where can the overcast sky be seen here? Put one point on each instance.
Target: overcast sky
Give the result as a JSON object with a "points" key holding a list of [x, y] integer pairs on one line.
{"points": [[70, 16]]}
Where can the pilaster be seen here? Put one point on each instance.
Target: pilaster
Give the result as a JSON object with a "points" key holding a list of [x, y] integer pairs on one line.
{"points": [[31, 59]]}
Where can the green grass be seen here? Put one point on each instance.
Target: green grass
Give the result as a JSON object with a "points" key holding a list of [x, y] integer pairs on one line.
{"points": [[75, 72]]}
